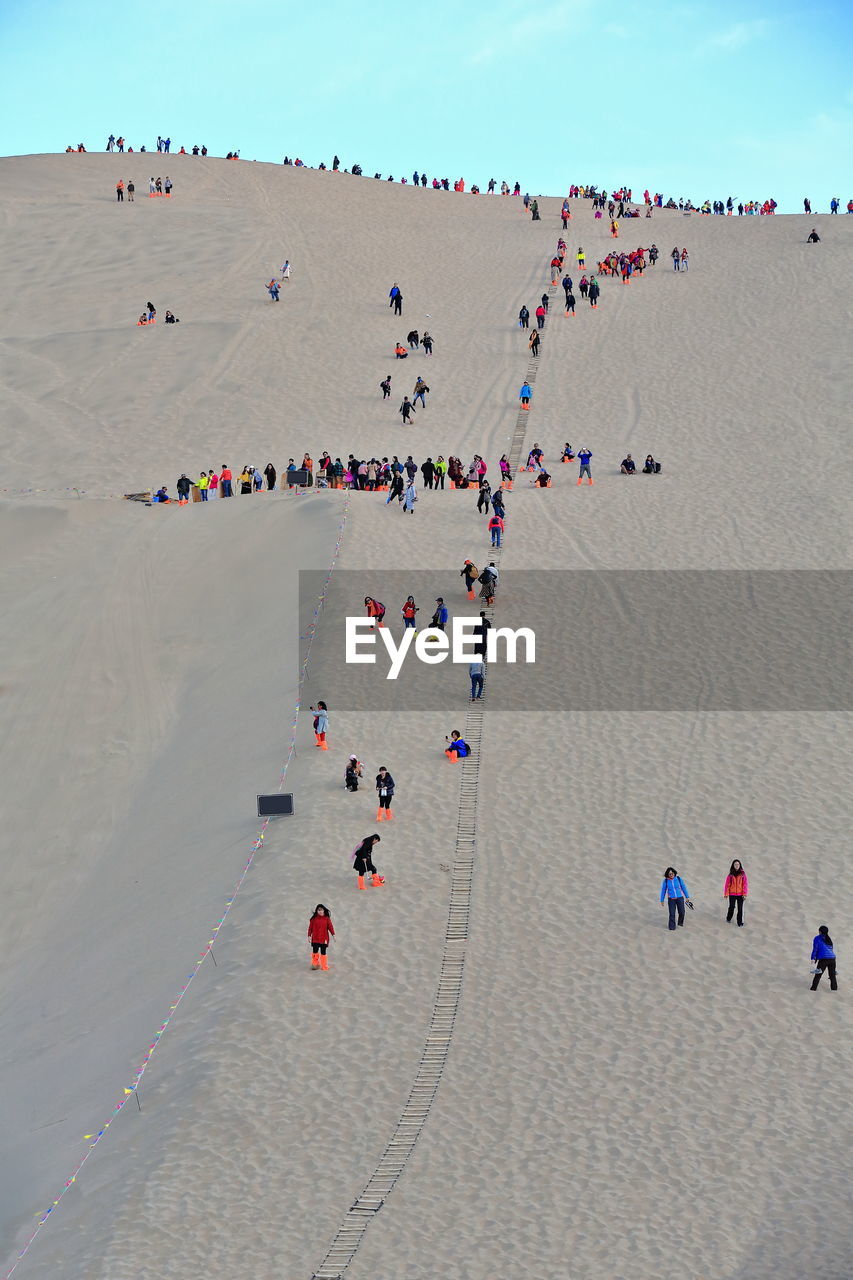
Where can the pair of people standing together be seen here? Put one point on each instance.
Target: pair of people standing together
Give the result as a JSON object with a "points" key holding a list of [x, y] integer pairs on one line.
{"points": [[675, 893]]}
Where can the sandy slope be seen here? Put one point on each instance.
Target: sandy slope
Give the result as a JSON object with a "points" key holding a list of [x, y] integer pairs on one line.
{"points": [[610, 1109]]}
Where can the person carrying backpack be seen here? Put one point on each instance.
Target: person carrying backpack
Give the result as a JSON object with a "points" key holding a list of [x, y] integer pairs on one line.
{"points": [[375, 609], [488, 580]]}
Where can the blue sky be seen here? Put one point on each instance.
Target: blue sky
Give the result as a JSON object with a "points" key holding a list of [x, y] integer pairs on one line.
{"points": [[700, 100]]}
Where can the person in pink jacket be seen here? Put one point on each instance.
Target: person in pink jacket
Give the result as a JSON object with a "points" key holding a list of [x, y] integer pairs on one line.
{"points": [[736, 889]]}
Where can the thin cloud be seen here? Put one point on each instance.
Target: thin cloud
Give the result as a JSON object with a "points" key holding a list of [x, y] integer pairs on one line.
{"points": [[735, 37], [507, 35]]}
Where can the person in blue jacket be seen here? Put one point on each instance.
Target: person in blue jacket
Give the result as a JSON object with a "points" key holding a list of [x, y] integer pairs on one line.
{"points": [[439, 618], [457, 748], [676, 894], [824, 955]]}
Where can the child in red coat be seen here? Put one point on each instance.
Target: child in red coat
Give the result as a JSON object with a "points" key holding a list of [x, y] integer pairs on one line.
{"points": [[320, 932]]}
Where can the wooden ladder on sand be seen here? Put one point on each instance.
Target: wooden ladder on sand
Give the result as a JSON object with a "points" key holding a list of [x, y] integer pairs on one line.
{"points": [[418, 1105]]}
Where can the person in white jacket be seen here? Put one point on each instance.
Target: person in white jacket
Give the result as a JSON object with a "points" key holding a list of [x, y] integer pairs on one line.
{"points": [[321, 725]]}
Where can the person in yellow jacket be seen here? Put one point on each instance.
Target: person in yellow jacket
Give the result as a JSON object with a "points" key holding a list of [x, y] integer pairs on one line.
{"points": [[203, 484]]}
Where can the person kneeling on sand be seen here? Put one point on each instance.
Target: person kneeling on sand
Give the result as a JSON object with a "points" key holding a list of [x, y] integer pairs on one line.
{"points": [[628, 466], [457, 748]]}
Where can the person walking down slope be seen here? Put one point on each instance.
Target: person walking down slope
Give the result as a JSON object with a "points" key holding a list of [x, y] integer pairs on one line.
{"points": [[410, 497], [674, 892], [362, 861], [119, 190], [823, 955], [320, 933], [676, 260], [524, 318], [396, 300], [594, 291], [736, 888], [524, 395], [385, 792], [406, 409], [581, 258], [420, 392]]}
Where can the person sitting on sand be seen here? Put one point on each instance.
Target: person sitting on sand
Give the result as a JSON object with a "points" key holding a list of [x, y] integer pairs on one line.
{"points": [[162, 495], [649, 465], [457, 748], [143, 319], [170, 319], [543, 479], [628, 466], [400, 352], [813, 237]]}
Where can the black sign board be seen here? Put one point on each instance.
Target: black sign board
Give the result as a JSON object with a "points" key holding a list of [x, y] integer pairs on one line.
{"points": [[274, 806]]}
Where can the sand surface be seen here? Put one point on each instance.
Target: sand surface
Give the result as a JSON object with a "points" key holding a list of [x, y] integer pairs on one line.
{"points": [[618, 1101]]}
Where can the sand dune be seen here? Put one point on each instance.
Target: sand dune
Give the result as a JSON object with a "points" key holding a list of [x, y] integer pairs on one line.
{"points": [[618, 1102]]}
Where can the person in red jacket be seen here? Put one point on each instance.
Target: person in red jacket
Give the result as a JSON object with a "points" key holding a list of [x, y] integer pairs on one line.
{"points": [[375, 609], [320, 931], [736, 888]]}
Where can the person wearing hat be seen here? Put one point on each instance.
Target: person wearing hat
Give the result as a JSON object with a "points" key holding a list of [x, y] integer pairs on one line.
{"points": [[470, 573], [354, 770], [439, 618]]}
